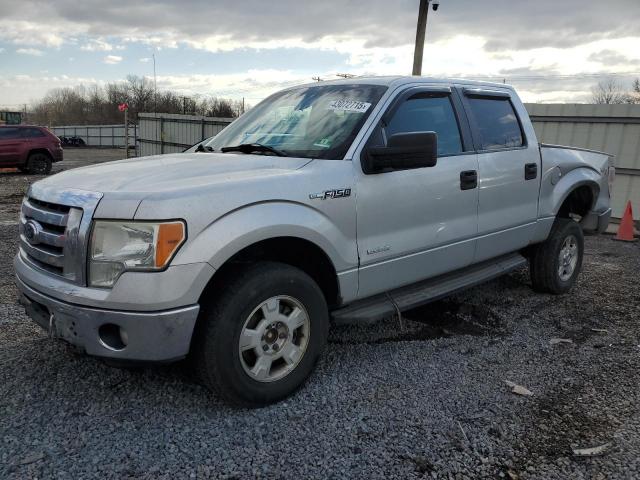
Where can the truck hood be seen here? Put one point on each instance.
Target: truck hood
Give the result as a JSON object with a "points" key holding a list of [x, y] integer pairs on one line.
{"points": [[165, 173]]}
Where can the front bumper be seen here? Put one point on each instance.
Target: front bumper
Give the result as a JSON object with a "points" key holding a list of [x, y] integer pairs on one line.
{"points": [[596, 221], [136, 336], [58, 155]]}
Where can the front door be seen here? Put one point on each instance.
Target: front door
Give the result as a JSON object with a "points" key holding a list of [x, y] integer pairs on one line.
{"points": [[415, 224]]}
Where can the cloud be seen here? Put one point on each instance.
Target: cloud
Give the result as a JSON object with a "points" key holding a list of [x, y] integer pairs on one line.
{"points": [[97, 45], [1, 49], [26, 88], [519, 40], [30, 51], [225, 24], [613, 58], [21, 32], [112, 59]]}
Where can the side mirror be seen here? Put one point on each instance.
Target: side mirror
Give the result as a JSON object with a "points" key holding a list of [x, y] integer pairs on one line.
{"points": [[404, 151]]}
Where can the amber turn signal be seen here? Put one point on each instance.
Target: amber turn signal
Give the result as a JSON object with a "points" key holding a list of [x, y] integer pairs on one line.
{"points": [[170, 237]]}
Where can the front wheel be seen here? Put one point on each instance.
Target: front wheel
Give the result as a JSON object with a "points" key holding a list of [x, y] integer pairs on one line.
{"points": [[556, 263], [259, 339]]}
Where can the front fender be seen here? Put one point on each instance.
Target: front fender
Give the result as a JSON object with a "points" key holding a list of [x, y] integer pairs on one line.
{"points": [[250, 224]]}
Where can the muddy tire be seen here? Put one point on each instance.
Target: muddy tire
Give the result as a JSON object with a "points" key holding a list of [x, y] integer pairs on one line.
{"points": [[259, 339], [555, 264], [39, 164]]}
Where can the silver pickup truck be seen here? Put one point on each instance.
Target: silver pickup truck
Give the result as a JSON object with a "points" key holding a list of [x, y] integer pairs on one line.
{"points": [[348, 200]]}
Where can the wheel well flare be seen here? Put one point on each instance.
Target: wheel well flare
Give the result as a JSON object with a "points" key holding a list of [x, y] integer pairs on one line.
{"points": [[293, 251], [578, 202]]}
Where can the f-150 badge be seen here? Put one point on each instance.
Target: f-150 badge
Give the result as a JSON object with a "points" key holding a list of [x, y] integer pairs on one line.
{"points": [[337, 193]]}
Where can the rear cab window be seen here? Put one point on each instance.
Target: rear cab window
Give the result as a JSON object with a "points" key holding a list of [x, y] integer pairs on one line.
{"points": [[496, 123]]}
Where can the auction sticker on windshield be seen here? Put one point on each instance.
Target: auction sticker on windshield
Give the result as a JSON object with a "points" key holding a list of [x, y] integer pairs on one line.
{"points": [[349, 106]]}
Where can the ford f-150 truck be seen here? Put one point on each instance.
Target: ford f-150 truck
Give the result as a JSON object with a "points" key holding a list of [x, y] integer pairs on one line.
{"points": [[349, 200]]}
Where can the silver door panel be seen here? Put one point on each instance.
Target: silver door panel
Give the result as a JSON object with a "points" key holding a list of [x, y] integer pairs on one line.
{"points": [[505, 241], [408, 220], [397, 272]]}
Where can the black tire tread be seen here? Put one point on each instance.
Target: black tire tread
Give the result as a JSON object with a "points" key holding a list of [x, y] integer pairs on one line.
{"points": [[542, 263], [210, 372], [49, 161]]}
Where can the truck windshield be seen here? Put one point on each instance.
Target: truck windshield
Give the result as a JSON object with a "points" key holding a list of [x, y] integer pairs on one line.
{"points": [[312, 122]]}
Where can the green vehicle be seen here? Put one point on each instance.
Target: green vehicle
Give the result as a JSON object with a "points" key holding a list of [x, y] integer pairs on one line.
{"points": [[10, 118]]}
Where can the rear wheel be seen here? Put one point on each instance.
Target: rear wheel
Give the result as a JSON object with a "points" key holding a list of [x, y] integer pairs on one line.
{"points": [[556, 263], [39, 164], [259, 339]]}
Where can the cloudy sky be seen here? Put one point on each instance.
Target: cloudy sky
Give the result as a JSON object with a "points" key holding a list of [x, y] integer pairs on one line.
{"points": [[551, 50]]}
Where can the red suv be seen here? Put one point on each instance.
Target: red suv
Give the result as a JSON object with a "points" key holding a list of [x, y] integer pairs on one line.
{"points": [[31, 149]]}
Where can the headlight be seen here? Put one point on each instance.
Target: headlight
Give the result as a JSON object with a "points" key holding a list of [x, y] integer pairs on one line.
{"points": [[117, 247]]}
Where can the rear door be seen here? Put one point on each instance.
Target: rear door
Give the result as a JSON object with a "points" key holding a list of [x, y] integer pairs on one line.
{"points": [[35, 137], [10, 145], [508, 171]]}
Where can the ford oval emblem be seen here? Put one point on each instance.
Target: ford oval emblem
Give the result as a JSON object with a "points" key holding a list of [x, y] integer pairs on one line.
{"points": [[32, 231]]}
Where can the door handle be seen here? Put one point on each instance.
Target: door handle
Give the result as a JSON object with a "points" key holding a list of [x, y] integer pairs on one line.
{"points": [[468, 179], [530, 171]]}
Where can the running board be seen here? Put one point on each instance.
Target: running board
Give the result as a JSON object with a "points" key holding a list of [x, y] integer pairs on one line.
{"points": [[386, 304]]}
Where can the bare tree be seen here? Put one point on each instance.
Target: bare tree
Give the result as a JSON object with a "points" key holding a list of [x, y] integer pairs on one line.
{"points": [[95, 105], [636, 91], [140, 94], [610, 92]]}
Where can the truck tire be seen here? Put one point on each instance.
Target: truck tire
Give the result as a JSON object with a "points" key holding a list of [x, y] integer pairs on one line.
{"points": [[39, 164], [259, 339], [555, 264]]}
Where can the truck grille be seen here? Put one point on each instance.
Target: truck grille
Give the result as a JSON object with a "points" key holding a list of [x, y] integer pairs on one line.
{"points": [[54, 229], [42, 233]]}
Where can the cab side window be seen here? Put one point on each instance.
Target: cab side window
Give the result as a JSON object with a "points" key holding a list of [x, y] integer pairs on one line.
{"points": [[429, 113], [496, 122], [33, 133], [8, 133]]}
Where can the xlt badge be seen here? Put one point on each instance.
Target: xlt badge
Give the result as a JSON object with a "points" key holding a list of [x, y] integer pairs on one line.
{"points": [[336, 193]]}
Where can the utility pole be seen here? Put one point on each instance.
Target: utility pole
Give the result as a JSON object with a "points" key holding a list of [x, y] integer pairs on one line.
{"points": [[126, 132], [155, 86], [421, 32], [156, 121], [124, 108]]}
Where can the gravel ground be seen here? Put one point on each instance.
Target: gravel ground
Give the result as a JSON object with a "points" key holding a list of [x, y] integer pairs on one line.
{"points": [[427, 400]]}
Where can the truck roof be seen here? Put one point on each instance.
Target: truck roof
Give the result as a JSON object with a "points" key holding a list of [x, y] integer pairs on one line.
{"points": [[394, 81]]}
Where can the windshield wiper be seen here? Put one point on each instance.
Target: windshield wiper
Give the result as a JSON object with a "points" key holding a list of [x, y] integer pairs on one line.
{"points": [[253, 147], [203, 148]]}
